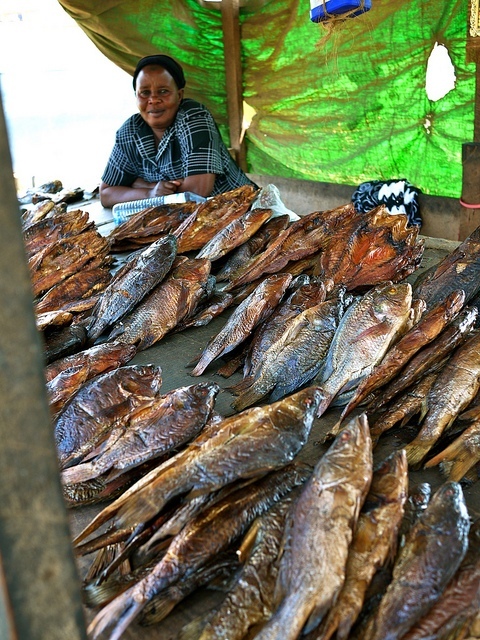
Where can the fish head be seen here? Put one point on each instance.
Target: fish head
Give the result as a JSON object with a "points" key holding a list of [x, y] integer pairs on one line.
{"points": [[393, 299]]}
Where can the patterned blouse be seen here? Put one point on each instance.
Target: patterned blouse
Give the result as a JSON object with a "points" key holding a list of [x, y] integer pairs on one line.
{"points": [[192, 145]]}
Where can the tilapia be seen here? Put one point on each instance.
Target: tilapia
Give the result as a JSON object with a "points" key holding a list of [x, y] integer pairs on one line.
{"points": [[302, 238], [234, 234], [245, 445], [374, 248], [374, 543], [149, 225], [250, 601], [61, 259], [461, 455], [95, 360], [432, 554], [428, 358], [80, 286], [456, 385], [460, 601], [205, 536], [171, 421], [458, 270], [249, 314], [104, 402], [249, 249], [365, 333], [426, 330], [304, 294], [214, 214], [295, 358], [165, 306], [50, 230], [319, 532], [36, 213], [140, 274]]}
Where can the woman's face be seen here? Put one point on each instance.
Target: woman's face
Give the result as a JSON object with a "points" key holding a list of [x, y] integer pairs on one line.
{"points": [[158, 97]]}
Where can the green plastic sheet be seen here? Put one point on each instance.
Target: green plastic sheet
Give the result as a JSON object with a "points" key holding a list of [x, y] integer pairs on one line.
{"points": [[341, 103]]}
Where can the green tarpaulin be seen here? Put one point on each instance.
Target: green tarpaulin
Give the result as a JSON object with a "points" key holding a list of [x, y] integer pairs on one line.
{"points": [[342, 105]]}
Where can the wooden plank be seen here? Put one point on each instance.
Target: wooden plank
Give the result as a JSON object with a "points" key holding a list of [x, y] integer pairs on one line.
{"points": [[39, 588], [233, 77]]}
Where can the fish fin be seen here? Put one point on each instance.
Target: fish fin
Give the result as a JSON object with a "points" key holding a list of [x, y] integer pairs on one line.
{"points": [[324, 402], [315, 618], [193, 630], [205, 359], [460, 457], [78, 473], [98, 595], [240, 387], [335, 429], [117, 615]]}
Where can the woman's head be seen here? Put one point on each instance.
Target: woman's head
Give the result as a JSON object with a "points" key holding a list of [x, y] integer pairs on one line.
{"points": [[158, 83]]}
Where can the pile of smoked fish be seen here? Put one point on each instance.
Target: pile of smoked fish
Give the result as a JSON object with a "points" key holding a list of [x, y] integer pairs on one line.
{"points": [[321, 312]]}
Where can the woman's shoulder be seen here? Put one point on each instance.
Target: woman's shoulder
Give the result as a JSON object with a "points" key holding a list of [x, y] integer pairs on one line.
{"points": [[192, 108]]}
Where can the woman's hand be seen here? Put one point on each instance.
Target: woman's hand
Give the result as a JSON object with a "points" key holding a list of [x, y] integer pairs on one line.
{"points": [[165, 188]]}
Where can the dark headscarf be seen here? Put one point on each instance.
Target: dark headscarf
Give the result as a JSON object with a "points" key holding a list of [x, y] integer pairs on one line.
{"points": [[171, 65]]}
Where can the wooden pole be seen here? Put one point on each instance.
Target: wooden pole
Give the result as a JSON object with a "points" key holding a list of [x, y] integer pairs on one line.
{"points": [[39, 586], [233, 74]]}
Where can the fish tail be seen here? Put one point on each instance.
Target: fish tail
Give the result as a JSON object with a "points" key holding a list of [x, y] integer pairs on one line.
{"points": [[202, 364], [416, 452], [324, 402], [247, 399], [79, 473], [117, 615], [460, 457]]}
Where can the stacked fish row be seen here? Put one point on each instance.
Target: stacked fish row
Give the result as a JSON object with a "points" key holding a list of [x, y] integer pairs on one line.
{"points": [[333, 551]]}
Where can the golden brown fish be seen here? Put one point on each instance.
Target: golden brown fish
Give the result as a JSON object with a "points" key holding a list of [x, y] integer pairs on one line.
{"points": [[244, 445], [50, 230], [140, 274], [426, 330], [104, 402], [171, 421], [374, 543], [366, 331], [458, 270], [57, 261], [428, 358], [234, 234], [318, 534], [250, 601], [79, 286], [214, 214], [205, 536], [165, 306], [432, 554], [375, 248], [249, 249], [456, 385], [459, 603], [249, 314]]}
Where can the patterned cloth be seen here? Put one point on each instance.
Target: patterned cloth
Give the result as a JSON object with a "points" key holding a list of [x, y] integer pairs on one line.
{"points": [[399, 196], [190, 146]]}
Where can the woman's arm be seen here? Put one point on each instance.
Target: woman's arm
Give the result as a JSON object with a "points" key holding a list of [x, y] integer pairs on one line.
{"points": [[110, 195]]}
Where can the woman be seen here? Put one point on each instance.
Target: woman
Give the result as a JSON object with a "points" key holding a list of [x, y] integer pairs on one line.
{"points": [[172, 145]]}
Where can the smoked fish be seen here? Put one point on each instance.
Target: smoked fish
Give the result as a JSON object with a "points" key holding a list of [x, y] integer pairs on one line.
{"points": [[249, 314], [103, 403], [131, 283], [319, 532], [165, 306], [207, 535], [374, 543], [244, 445], [171, 421], [456, 385], [366, 331], [433, 551]]}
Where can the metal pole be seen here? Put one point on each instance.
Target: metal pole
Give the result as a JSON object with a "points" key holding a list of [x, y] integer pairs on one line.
{"points": [[39, 585]]}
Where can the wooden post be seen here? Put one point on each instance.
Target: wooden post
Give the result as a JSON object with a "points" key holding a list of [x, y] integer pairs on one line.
{"points": [[39, 587], [233, 75]]}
